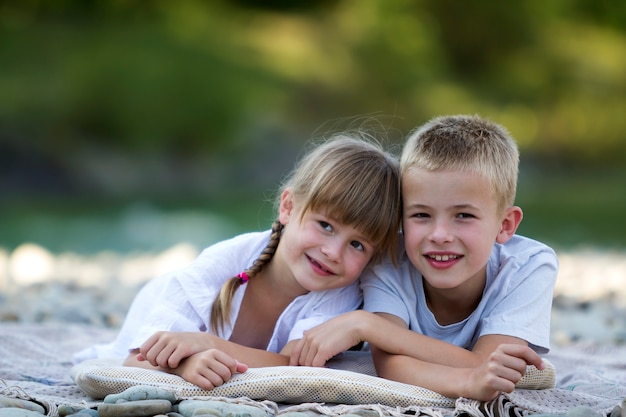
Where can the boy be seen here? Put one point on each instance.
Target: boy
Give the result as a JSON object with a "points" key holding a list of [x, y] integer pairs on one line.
{"points": [[468, 306]]}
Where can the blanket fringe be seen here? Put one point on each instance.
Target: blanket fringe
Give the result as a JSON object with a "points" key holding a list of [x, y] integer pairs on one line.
{"points": [[501, 406], [269, 407], [382, 410], [14, 391]]}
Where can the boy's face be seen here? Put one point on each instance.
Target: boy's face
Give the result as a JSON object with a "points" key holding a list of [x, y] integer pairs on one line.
{"points": [[450, 224]]}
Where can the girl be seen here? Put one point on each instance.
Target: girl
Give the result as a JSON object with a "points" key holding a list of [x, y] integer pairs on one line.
{"points": [[246, 301]]}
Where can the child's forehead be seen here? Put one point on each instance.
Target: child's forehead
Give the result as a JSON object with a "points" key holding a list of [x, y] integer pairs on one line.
{"points": [[419, 181], [470, 175]]}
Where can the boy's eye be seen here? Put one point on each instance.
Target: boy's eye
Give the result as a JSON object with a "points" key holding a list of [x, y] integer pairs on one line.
{"points": [[326, 226], [466, 216]]}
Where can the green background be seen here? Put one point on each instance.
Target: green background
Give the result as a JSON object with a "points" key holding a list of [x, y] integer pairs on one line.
{"points": [[132, 125]]}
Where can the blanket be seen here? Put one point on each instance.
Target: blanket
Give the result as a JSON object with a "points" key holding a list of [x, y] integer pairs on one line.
{"points": [[35, 364]]}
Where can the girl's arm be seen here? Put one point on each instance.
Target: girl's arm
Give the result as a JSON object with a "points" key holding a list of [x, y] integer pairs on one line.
{"points": [[167, 350], [207, 369]]}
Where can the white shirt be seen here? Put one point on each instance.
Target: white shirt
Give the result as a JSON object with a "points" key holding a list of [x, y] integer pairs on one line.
{"points": [[182, 300], [516, 301]]}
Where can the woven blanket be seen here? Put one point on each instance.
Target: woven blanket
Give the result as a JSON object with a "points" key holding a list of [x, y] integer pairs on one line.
{"points": [[35, 363]]}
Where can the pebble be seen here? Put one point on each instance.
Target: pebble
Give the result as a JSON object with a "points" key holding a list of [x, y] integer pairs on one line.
{"points": [[188, 408], [142, 392], [9, 402], [67, 410], [139, 408], [616, 412], [18, 412], [86, 412]]}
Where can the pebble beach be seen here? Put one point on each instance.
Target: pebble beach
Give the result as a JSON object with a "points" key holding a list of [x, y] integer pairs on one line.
{"points": [[37, 286]]}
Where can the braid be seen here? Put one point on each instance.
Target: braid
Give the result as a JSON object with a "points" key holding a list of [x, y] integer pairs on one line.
{"points": [[268, 252], [220, 311]]}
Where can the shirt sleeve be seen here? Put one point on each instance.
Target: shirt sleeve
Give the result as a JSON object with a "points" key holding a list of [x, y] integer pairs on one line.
{"points": [[524, 304], [161, 305], [323, 306], [385, 291]]}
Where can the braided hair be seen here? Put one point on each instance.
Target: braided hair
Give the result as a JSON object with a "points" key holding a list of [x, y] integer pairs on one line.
{"points": [[222, 305], [355, 182]]}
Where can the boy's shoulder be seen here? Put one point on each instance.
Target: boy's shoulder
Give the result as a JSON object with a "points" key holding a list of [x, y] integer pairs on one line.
{"points": [[524, 249], [524, 242]]}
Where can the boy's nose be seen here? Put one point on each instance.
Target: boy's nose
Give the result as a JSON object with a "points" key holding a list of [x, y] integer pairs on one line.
{"points": [[440, 233]]}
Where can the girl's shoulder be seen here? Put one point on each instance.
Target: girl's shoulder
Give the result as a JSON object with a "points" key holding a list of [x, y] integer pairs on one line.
{"points": [[252, 242]]}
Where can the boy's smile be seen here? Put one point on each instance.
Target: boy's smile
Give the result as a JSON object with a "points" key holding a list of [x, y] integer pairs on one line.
{"points": [[450, 225], [442, 260]]}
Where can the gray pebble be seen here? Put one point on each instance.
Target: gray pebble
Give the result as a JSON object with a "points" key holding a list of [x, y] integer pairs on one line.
{"points": [[187, 408], [66, 410], [141, 392], [85, 412], [141, 408], [582, 412], [8, 402], [18, 412], [207, 412], [616, 412]]}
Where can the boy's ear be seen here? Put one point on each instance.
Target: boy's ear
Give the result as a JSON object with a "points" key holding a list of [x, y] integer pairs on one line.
{"points": [[512, 219], [286, 206]]}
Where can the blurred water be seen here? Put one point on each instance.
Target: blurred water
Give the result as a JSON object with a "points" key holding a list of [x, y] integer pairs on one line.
{"points": [[137, 227]]}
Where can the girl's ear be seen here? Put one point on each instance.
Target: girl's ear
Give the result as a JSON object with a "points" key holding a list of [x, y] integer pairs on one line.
{"points": [[512, 219], [286, 206]]}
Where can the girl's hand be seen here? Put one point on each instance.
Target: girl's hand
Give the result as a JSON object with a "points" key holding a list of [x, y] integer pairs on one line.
{"points": [[319, 344], [168, 349], [501, 371], [209, 369]]}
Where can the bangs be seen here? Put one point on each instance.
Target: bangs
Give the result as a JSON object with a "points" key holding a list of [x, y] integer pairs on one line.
{"points": [[365, 202]]}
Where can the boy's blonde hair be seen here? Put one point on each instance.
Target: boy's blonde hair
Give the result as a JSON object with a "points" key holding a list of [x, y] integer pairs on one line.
{"points": [[355, 182], [469, 144]]}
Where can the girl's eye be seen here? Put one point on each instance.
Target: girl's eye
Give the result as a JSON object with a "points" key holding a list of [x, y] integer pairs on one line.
{"points": [[326, 226], [420, 215], [357, 245]]}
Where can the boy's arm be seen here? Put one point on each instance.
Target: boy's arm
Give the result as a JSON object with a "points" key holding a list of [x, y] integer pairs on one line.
{"points": [[385, 331], [498, 373]]}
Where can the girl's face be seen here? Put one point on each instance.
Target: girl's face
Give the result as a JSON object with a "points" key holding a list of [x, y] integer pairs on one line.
{"points": [[320, 252], [450, 224]]}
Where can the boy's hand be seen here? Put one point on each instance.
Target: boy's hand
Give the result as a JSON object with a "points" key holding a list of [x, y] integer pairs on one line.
{"points": [[209, 369], [168, 349], [319, 344], [501, 371]]}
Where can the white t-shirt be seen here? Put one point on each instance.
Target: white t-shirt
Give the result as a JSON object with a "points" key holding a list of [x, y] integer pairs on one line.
{"points": [[517, 299], [182, 300]]}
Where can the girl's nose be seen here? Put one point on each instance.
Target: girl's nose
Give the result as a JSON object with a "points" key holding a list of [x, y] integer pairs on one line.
{"points": [[332, 249]]}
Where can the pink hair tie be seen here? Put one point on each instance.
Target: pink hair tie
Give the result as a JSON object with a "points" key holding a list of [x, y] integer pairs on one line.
{"points": [[243, 277]]}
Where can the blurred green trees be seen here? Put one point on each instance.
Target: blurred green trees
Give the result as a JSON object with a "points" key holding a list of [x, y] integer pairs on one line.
{"points": [[192, 96], [192, 76]]}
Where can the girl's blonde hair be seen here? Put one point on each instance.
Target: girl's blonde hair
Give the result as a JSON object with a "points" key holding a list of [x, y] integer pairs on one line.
{"points": [[466, 143], [354, 181]]}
